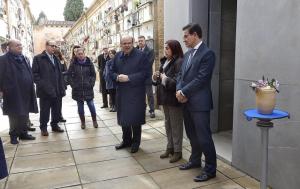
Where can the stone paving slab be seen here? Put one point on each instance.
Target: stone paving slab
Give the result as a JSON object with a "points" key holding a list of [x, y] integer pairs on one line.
{"points": [[44, 179], [105, 170], [99, 154], [132, 182], [44, 147], [42, 161]]}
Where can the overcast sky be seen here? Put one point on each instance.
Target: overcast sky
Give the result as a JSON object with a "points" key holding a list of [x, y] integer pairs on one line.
{"points": [[52, 8]]}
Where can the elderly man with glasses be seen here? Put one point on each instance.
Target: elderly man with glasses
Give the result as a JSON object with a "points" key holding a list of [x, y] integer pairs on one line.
{"points": [[50, 86]]}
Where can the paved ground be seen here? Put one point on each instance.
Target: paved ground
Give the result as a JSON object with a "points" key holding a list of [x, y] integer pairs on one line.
{"points": [[87, 159]]}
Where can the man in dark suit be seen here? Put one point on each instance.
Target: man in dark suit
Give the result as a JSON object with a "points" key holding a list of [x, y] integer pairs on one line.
{"points": [[194, 91], [130, 70], [16, 83], [50, 86], [150, 58], [102, 59]]}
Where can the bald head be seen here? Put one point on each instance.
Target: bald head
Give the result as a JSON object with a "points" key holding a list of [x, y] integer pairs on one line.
{"points": [[127, 44], [14, 46]]}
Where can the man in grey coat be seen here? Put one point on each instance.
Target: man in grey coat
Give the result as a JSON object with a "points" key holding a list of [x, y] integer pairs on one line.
{"points": [[149, 53], [130, 70]]}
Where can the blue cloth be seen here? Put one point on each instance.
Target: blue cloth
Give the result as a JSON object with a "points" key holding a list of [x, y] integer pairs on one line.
{"points": [[110, 83], [82, 61], [90, 104], [277, 114], [131, 98]]}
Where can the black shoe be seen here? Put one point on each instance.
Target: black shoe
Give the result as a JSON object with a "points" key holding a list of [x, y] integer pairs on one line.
{"points": [[14, 140], [27, 137], [134, 150], [152, 115], [44, 133], [62, 120], [104, 106], [57, 129], [188, 165], [30, 129], [122, 145], [204, 177]]}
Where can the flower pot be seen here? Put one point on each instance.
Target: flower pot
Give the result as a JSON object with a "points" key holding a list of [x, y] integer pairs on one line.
{"points": [[265, 100]]}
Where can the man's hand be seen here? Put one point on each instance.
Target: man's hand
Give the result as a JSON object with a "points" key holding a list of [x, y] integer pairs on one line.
{"points": [[123, 78], [155, 76], [180, 97]]}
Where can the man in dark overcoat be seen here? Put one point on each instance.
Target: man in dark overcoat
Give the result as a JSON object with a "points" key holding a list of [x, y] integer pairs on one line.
{"points": [[130, 70], [16, 84], [50, 86], [150, 58], [102, 59]]}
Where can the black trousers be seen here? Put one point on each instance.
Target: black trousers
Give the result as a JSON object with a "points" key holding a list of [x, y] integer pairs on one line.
{"points": [[17, 124], [47, 104], [112, 96], [197, 126], [132, 135], [103, 90], [60, 107]]}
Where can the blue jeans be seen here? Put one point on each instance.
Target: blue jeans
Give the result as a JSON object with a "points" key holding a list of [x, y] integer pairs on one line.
{"points": [[90, 104]]}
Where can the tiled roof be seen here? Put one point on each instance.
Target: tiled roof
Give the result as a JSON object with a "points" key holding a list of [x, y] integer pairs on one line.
{"points": [[59, 23]]}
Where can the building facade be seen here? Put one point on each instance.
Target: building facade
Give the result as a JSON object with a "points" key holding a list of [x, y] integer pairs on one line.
{"points": [[3, 21], [16, 22], [50, 30], [103, 24], [250, 39]]}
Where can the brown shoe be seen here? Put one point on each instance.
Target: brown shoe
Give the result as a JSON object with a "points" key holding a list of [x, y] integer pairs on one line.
{"points": [[169, 151], [94, 118], [176, 157], [44, 133], [82, 119], [95, 124]]}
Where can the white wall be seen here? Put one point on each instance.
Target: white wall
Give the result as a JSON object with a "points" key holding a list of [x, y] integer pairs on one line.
{"points": [[176, 16]]}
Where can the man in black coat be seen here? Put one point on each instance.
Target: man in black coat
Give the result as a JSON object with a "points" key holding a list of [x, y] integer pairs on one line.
{"points": [[194, 91], [102, 59], [16, 84], [50, 86], [150, 58], [130, 71]]}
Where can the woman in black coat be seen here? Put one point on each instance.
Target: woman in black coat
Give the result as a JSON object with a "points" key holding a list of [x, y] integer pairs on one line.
{"points": [[82, 78], [165, 80]]}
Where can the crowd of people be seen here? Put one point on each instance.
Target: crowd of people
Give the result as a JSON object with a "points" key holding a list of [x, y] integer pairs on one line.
{"points": [[183, 89]]}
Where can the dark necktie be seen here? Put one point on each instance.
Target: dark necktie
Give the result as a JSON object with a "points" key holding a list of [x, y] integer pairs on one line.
{"points": [[190, 58]]}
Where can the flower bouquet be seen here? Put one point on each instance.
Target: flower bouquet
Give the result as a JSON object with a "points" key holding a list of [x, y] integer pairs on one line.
{"points": [[265, 94]]}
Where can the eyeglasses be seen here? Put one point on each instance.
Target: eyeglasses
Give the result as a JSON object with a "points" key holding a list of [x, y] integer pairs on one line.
{"points": [[53, 46]]}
